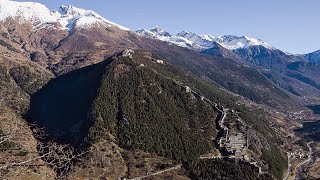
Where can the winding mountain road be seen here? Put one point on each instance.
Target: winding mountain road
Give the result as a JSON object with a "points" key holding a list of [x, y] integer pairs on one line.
{"points": [[289, 168], [299, 168]]}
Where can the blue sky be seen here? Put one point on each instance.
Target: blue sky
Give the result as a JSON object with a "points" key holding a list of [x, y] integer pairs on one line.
{"points": [[290, 25]]}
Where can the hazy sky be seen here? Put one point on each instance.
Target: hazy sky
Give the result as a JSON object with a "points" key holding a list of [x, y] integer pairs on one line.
{"points": [[290, 25]]}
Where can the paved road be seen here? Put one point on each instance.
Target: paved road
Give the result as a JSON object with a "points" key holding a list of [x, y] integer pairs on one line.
{"points": [[289, 168]]}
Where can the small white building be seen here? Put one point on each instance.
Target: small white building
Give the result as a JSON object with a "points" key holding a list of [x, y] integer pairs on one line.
{"points": [[128, 53], [160, 61], [188, 89]]}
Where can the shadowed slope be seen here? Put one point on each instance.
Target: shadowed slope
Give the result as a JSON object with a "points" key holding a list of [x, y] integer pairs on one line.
{"points": [[62, 104]]}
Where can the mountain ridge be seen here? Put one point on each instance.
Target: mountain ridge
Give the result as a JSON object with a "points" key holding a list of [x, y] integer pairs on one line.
{"points": [[230, 42]]}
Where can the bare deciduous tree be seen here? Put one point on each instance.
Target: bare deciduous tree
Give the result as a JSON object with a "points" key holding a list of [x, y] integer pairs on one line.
{"points": [[15, 158]]}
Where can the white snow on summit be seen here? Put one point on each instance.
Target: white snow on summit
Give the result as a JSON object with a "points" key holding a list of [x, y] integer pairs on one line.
{"points": [[208, 37], [195, 41], [160, 34], [26, 11], [70, 17], [234, 42], [67, 16], [204, 41]]}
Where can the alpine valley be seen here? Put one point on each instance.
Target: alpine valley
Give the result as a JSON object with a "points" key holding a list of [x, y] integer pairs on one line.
{"points": [[82, 97]]}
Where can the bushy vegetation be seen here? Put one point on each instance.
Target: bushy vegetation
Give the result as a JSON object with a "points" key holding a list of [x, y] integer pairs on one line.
{"points": [[11, 48], [277, 163], [221, 169], [4, 76], [27, 79], [5, 144], [303, 79], [10, 94], [310, 130]]}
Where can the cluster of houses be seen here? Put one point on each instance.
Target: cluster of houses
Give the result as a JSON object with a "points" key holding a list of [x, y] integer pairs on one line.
{"points": [[297, 154]]}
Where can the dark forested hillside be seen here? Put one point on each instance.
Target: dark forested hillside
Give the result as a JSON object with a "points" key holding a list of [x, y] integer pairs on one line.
{"points": [[146, 111]]}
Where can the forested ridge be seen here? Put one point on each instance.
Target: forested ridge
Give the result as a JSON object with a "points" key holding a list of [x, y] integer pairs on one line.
{"points": [[148, 112]]}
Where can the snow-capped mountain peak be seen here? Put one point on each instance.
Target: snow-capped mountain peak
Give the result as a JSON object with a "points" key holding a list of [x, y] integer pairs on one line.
{"points": [[66, 10], [186, 34], [208, 37], [313, 57], [154, 32], [204, 41], [160, 32], [77, 13], [145, 32], [25, 11], [235, 42], [37, 14], [70, 17]]}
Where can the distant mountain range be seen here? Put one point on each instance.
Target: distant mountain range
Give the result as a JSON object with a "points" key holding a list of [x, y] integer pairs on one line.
{"points": [[246, 47], [193, 40]]}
